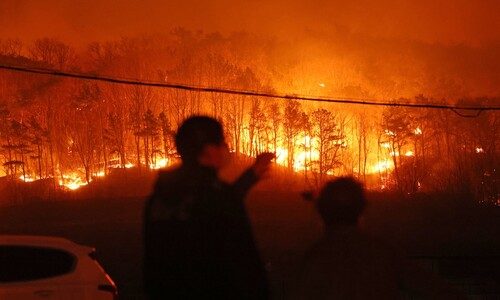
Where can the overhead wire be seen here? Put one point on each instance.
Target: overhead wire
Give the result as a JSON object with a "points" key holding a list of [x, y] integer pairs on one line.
{"points": [[478, 113], [52, 72]]}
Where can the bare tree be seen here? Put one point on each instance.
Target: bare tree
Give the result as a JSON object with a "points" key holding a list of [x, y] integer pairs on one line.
{"points": [[292, 126], [363, 145], [141, 99], [168, 136], [397, 127], [150, 133], [52, 52], [38, 138], [11, 47], [256, 128], [275, 119], [83, 127], [328, 139]]}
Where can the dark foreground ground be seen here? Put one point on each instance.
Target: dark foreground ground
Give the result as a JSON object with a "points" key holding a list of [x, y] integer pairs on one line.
{"points": [[463, 239]]}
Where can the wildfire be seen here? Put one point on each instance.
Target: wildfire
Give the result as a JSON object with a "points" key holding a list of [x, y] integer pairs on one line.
{"points": [[389, 133], [303, 158], [281, 156], [306, 157], [27, 178], [382, 166], [302, 161], [72, 181], [160, 163]]}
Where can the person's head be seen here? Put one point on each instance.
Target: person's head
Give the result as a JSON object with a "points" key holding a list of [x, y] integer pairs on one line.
{"points": [[341, 201], [200, 140]]}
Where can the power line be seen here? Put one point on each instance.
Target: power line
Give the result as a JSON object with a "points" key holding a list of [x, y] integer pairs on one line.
{"points": [[455, 109]]}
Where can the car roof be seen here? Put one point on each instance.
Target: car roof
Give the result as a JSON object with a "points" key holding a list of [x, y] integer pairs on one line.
{"points": [[45, 241]]}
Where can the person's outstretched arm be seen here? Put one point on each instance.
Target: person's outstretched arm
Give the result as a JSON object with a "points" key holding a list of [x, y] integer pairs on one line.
{"points": [[258, 171]]}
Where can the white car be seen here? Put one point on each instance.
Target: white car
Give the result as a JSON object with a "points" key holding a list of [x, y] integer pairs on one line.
{"points": [[40, 267]]}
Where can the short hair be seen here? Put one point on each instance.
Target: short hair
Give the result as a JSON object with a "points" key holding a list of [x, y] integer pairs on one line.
{"points": [[341, 201], [194, 134]]}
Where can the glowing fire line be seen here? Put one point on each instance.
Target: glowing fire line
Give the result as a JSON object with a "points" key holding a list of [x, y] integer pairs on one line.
{"points": [[306, 158]]}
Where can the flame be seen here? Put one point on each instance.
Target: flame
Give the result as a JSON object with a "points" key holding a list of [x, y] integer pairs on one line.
{"points": [[72, 181], [479, 150], [28, 178], [160, 163], [303, 158], [281, 156], [381, 166], [306, 153], [307, 141], [306, 157], [99, 174]]}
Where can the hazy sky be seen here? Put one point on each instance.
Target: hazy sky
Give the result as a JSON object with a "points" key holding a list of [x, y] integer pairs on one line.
{"points": [[79, 21]]}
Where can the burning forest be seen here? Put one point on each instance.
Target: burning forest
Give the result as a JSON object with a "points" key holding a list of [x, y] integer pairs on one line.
{"points": [[382, 118], [72, 130]]}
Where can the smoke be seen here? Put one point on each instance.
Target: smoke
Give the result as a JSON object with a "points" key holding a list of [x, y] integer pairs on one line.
{"points": [[80, 21], [386, 48]]}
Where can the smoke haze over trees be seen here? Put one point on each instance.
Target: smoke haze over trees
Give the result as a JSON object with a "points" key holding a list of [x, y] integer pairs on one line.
{"points": [[387, 49]]}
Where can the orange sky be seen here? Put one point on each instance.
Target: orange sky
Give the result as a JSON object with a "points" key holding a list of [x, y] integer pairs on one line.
{"points": [[80, 21]]}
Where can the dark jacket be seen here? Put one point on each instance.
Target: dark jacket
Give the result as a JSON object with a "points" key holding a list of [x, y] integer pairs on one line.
{"points": [[198, 239], [348, 263]]}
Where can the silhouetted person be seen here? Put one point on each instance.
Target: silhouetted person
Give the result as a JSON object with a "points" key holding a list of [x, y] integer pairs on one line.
{"points": [[348, 263], [198, 239]]}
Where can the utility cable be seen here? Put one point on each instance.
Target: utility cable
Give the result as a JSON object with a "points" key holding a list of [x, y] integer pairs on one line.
{"points": [[478, 109]]}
